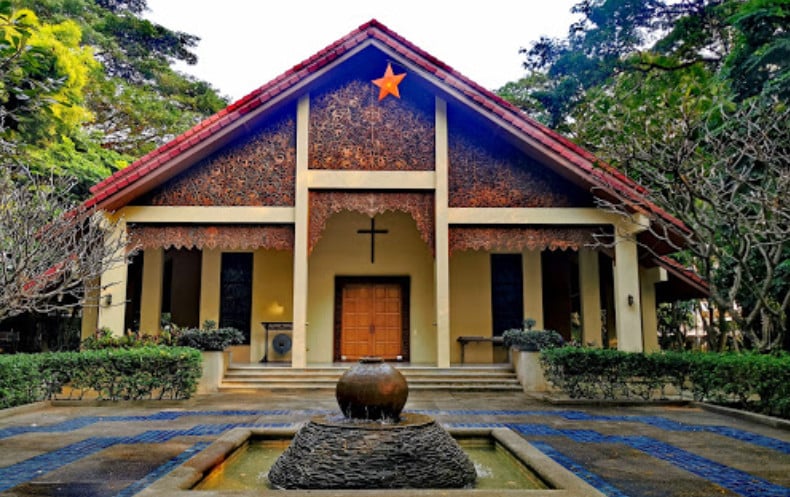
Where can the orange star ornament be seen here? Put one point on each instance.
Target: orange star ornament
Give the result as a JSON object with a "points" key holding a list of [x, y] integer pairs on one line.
{"points": [[388, 85]]}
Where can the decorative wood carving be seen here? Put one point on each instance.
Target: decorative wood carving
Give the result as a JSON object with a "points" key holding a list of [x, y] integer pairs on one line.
{"points": [[256, 171], [498, 175], [420, 205], [351, 130], [518, 238], [228, 237]]}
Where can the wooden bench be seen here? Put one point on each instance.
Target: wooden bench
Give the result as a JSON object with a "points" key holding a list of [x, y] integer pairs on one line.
{"points": [[477, 339]]}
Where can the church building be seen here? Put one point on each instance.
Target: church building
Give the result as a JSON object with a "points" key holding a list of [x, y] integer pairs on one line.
{"points": [[373, 201]]}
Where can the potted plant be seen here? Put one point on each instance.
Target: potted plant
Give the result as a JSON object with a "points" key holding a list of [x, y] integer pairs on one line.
{"points": [[212, 342], [525, 345]]}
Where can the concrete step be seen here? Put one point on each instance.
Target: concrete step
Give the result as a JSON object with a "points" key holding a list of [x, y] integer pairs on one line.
{"points": [[257, 376]]}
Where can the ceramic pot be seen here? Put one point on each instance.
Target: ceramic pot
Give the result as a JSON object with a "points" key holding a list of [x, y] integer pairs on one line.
{"points": [[372, 390]]}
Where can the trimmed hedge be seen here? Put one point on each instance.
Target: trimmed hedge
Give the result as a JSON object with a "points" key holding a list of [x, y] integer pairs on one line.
{"points": [[114, 374], [759, 383]]}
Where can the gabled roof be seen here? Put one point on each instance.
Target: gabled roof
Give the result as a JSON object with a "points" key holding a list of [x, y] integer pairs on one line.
{"points": [[571, 160]]}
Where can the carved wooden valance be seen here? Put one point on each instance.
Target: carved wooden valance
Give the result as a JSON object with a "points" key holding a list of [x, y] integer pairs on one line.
{"points": [[258, 170], [420, 205], [351, 130], [519, 238], [226, 237]]}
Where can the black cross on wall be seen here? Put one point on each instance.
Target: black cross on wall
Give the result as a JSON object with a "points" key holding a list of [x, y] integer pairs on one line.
{"points": [[372, 232]]}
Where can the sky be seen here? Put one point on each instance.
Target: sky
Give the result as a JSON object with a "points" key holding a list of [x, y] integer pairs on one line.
{"points": [[247, 43]]}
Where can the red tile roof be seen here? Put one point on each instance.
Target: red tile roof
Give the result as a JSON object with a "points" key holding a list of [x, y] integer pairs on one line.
{"points": [[585, 165]]}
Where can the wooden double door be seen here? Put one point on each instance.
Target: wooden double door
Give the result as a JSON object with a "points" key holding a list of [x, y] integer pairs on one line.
{"points": [[371, 318]]}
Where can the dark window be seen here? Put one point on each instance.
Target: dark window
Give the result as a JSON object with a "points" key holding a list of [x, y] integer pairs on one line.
{"points": [[235, 305], [507, 292]]}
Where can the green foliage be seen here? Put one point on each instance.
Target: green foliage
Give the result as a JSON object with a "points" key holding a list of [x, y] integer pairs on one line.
{"points": [[760, 59], [210, 338], [43, 72], [21, 380], [532, 340], [756, 382], [104, 339], [86, 86], [113, 374], [745, 44]]}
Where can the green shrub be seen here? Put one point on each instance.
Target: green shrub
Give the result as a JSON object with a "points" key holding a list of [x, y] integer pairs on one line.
{"points": [[755, 382], [114, 374], [209, 337], [532, 340], [20, 380], [104, 339]]}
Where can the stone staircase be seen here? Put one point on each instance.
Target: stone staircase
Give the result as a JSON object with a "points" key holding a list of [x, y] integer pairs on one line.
{"points": [[269, 377]]}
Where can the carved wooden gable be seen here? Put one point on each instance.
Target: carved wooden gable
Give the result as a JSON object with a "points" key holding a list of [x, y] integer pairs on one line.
{"points": [[351, 129], [488, 171], [256, 170]]}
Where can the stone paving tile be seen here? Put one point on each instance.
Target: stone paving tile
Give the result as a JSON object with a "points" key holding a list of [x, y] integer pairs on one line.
{"points": [[643, 476], [635, 451]]}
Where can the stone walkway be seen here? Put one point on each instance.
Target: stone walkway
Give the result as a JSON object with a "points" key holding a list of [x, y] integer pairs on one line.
{"points": [[117, 450]]}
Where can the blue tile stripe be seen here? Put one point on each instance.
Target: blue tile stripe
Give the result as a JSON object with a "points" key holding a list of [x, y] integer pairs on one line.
{"points": [[655, 421], [732, 479], [34, 467], [738, 481], [161, 470], [579, 470]]}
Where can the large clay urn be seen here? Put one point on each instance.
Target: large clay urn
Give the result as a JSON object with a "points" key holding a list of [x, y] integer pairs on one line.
{"points": [[372, 390]]}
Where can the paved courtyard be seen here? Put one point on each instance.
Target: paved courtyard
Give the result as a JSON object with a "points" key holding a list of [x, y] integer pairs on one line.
{"points": [[117, 450]]}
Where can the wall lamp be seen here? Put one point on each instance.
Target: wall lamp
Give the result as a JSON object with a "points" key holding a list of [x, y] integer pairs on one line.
{"points": [[106, 300], [630, 300]]}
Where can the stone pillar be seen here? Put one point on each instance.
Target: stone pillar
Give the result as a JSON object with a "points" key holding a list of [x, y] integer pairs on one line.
{"points": [[590, 290], [627, 306], [210, 270], [301, 225], [151, 296], [533, 287], [442, 266], [112, 300], [648, 279]]}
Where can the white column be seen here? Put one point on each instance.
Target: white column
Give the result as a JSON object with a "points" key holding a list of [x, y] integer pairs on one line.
{"points": [[151, 295], [112, 301], [301, 223], [533, 287], [442, 276], [589, 288], [648, 279], [627, 304]]}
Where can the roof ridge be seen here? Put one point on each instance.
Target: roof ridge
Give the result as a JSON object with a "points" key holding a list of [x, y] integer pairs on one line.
{"points": [[596, 170]]}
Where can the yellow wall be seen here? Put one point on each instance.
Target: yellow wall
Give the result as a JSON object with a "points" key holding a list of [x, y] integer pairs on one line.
{"points": [[272, 295], [470, 305], [343, 252]]}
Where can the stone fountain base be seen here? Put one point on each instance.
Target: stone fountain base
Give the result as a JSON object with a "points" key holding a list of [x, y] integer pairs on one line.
{"points": [[415, 452]]}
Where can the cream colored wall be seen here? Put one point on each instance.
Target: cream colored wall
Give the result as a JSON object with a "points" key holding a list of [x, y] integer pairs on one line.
{"points": [[470, 305], [210, 269], [343, 252], [272, 295]]}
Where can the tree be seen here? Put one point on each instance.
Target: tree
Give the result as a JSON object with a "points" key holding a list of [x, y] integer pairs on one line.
{"points": [[138, 100], [725, 172], [747, 42], [53, 252], [45, 71], [690, 99], [130, 97]]}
